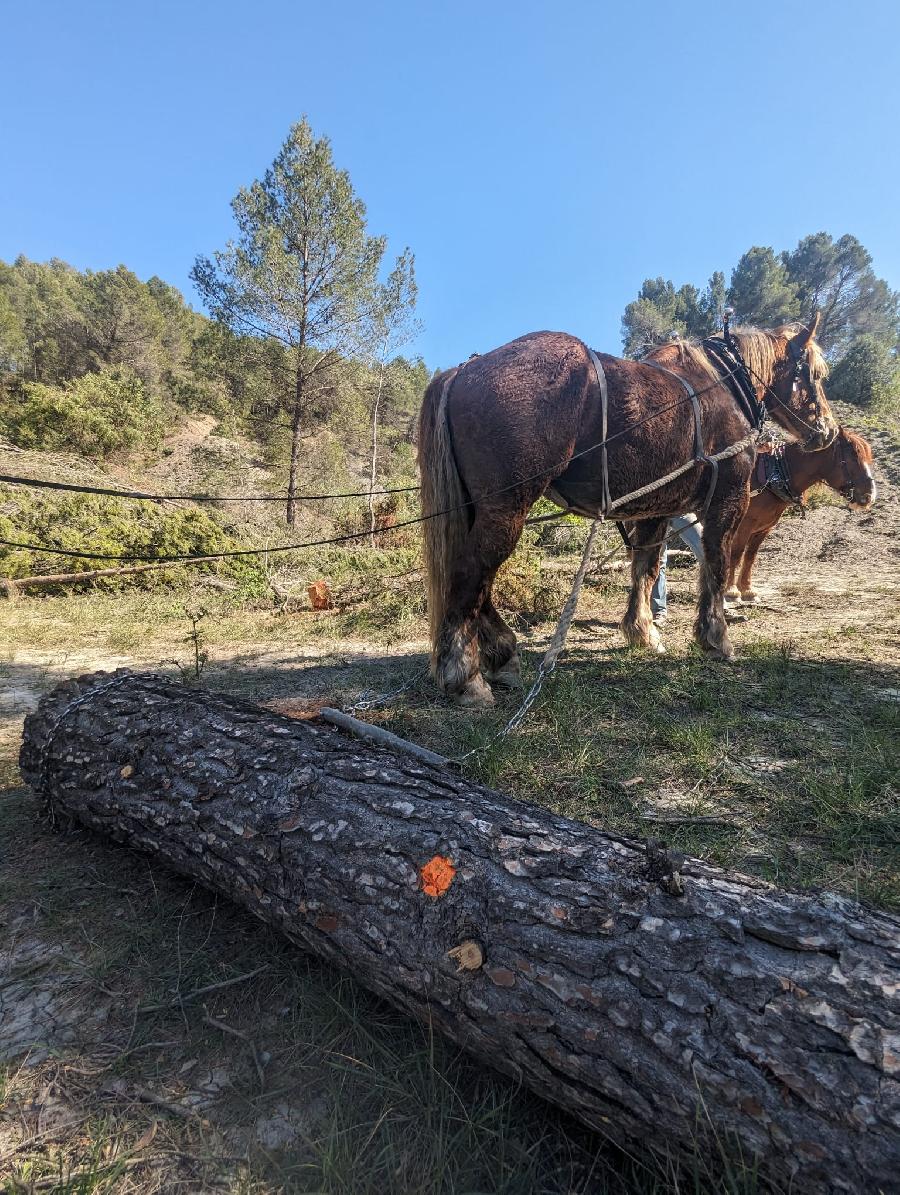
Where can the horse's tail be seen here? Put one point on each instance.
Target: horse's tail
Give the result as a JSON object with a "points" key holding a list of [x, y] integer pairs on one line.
{"points": [[442, 490]]}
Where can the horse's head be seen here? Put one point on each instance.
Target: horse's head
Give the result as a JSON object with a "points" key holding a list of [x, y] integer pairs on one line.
{"points": [[788, 369], [850, 471]]}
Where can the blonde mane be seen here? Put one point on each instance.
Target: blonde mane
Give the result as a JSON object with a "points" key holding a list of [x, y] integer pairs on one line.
{"points": [[761, 349], [684, 353]]}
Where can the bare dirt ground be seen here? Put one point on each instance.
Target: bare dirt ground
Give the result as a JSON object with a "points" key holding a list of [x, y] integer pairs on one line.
{"points": [[153, 1038]]}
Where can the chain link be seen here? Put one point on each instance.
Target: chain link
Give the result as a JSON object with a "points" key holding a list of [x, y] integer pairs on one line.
{"points": [[377, 699]]}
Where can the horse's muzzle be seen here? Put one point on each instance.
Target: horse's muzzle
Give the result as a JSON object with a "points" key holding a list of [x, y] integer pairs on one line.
{"points": [[822, 436], [863, 499]]}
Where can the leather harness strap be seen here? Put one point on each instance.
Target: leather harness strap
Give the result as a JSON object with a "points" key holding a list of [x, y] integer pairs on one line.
{"points": [[700, 454], [605, 500], [737, 377]]}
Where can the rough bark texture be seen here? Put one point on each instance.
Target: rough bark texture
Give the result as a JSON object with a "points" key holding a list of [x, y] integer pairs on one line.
{"points": [[656, 1007]]}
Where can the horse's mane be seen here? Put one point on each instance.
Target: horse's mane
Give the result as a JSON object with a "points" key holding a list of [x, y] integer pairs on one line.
{"points": [[758, 347], [689, 352], [858, 443]]}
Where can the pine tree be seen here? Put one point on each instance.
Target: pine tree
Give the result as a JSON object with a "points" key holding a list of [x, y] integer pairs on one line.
{"points": [[303, 271]]}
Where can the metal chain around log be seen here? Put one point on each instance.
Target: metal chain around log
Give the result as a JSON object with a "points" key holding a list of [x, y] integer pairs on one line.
{"points": [[660, 1000]]}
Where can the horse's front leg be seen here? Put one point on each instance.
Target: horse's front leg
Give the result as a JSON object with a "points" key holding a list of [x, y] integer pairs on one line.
{"points": [[745, 579], [719, 528], [637, 626]]}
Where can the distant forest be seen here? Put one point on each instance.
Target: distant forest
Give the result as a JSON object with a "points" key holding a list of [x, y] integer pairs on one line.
{"points": [[859, 330], [100, 362]]}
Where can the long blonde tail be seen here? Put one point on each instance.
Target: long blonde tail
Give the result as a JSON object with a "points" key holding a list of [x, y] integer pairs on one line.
{"points": [[442, 490]]}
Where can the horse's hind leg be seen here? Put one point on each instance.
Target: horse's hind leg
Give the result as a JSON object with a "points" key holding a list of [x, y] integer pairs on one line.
{"points": [[719, 527], [637, 625], [465, 634], [497, 645]]}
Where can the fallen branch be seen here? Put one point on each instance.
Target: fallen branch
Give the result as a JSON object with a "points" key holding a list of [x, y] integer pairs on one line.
{"points": [[11, 586], [177, 1001]]}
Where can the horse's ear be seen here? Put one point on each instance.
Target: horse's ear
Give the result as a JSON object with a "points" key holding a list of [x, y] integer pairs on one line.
{"points": [[812, 329]]}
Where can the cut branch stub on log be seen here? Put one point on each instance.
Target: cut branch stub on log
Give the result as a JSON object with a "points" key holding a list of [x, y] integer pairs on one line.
{"points": [[660, 1000]]}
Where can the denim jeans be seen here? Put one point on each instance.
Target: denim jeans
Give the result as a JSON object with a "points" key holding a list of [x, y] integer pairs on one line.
{"points": [[690, 532]]}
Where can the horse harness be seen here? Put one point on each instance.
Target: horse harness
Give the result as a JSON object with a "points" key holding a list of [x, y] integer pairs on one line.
{"points": [[773, 474], [734, 372]]}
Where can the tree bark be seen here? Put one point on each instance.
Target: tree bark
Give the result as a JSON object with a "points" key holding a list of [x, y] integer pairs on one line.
{"points": [[660, 1000]]}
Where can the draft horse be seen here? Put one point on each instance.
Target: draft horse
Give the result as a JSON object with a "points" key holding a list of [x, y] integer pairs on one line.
{"points": [[545, 415], [845, 466]]}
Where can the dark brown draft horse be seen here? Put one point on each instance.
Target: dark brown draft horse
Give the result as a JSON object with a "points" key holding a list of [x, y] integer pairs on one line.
{"points": [[528, 419], [845, 466]]}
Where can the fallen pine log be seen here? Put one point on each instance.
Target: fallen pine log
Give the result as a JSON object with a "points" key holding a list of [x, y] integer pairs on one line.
{"points": [[11, 587], [660, 1000]]}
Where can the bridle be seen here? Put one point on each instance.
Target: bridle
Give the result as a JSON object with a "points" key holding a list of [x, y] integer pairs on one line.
{"points": [[801, 363], [848, 490], [725, 349]]}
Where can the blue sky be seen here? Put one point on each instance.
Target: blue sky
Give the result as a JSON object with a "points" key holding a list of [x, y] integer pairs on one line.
{"points": [[540, 159]]}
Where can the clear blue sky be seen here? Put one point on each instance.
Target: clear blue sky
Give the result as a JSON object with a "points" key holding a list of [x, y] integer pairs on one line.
{"points": [[541, 159]]}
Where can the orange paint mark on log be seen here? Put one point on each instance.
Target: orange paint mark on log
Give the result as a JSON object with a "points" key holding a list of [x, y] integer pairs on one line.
{"points": [[437, 875]]}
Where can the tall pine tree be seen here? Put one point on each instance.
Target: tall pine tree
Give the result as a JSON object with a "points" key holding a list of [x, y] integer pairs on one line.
{"points": [[302, 271]]}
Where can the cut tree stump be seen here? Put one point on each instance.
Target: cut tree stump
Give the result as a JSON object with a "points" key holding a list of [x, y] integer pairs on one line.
{"points": [[660, 1000]]}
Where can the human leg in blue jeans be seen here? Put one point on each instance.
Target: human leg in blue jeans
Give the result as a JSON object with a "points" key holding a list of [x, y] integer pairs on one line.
{"points": [[691, 534]]}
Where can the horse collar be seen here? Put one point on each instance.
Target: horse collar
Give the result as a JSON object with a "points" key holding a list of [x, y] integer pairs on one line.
{"points": [[726, 356]]}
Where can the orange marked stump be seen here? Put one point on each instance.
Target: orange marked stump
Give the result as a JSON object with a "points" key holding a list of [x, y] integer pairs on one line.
{"points": [[320, 595]]}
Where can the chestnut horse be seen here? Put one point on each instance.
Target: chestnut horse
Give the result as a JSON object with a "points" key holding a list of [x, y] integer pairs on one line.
{"points": [[531, 418], [846, 466]]}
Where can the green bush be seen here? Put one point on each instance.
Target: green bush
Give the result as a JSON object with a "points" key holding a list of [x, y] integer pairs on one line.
{"points": [[94, 415], [110, 525]]}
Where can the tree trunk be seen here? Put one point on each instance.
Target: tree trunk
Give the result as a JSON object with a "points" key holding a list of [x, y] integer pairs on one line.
{"points": [[660, 1000], [374, 457], [296, 417], [12, 586]]}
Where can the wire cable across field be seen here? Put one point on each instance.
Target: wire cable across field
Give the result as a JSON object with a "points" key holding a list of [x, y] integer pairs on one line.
{"points": [[41, 484], [176, 558]]}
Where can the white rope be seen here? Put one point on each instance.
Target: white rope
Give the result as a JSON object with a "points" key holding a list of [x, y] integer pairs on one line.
{"points": [[548, 663]]}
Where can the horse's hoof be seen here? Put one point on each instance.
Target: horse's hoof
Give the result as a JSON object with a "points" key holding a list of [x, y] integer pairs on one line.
{"points": [[654, 640], [725, 653], [475, 696], [749, 597], [732, 595], [510, 675]]}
